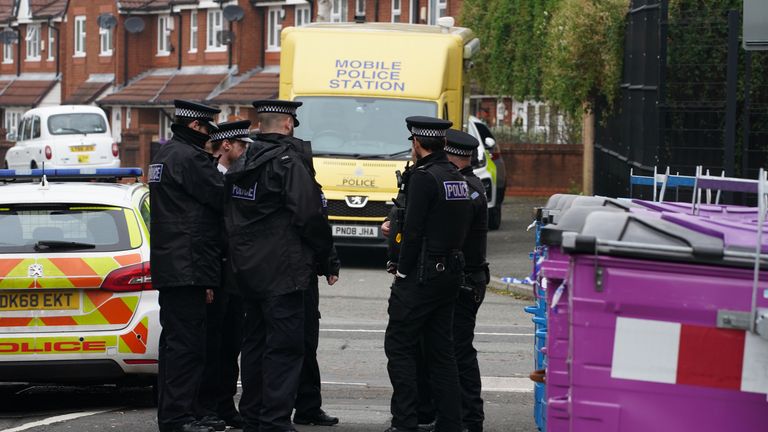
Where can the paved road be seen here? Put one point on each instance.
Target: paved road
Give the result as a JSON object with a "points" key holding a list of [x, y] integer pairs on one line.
{"points": [[351, 356]]}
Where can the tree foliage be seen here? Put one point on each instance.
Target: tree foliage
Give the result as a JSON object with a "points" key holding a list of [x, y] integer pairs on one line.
{"points": [[583, 57], [564, 51]]}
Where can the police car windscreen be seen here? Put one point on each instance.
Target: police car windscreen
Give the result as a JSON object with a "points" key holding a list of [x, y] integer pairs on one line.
{"points": [[348, 126], [69, 124], [101, 228]]}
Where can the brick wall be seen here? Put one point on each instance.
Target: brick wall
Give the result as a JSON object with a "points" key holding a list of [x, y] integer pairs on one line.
{"points": [[542, 169]]}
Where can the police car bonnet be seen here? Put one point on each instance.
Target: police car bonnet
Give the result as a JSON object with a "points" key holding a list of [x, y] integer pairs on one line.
{"points": [[430, 127], [278, 106]]}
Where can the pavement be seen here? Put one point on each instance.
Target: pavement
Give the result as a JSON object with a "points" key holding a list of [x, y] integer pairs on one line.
{"points": [[356, 386]]}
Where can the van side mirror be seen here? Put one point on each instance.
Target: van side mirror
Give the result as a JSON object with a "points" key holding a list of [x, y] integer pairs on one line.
{"points": [[10, 136], [490, 143]]}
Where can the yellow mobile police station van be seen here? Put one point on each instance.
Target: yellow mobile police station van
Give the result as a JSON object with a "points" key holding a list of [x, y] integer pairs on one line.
{"points": [[358, 83]]}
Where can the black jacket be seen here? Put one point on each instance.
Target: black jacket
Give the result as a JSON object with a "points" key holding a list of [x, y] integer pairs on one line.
{"points": [[277, 228], [438, 212], [186, 192], [477, 238]]}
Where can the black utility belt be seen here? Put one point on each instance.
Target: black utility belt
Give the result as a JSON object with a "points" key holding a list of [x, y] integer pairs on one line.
{"points": [[452, 262]]}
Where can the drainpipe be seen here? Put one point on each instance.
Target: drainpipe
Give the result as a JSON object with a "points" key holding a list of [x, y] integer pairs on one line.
{"points": [[263, 37], [18, 52], [376, 11], [58, 41], [178, 32], [125, 53]]}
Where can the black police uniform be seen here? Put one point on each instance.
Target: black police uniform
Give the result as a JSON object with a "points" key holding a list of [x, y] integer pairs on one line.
{"points": [[476, 278], [186, 200], [277, 233], [225, 319], [429, 274]]}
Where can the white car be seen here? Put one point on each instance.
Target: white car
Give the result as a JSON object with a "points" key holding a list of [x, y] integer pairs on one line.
{"points": [[76, 298], [490, 168], [66, 136]]}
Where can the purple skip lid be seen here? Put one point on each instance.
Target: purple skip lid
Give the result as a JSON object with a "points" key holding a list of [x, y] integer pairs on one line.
{"points": [[736, 235]]}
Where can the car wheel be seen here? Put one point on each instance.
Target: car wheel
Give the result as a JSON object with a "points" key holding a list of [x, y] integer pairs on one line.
{"points": [[494, 217]]}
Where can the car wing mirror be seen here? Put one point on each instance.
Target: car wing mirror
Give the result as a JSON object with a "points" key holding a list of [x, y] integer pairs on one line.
{"points": [[489, 143]]}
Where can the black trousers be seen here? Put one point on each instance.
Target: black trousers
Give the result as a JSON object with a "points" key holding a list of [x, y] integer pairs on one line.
{"points": [[308, 399], [271, 360], [423, 313], [464, 320], [224, 337], [181, 354]]}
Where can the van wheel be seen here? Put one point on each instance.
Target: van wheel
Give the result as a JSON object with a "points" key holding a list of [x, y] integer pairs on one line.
{"points": [[494, 217]]}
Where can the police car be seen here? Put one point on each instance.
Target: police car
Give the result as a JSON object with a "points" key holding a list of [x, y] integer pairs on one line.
{"points": [[76, 297]]}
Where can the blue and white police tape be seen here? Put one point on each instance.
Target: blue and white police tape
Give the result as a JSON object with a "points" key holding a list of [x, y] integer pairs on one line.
{"points": [[512, 280]]}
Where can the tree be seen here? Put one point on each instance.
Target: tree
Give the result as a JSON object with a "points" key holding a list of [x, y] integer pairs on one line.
{"points": [[583, 56]]}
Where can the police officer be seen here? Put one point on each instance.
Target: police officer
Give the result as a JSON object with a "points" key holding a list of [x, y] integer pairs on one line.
{"points": [[459, 148], [428, 276], [186, 200], [278, 232], [225, 316]]}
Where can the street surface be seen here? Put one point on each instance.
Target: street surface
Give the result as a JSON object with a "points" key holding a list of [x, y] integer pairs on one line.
{"points": [[356, 385]]}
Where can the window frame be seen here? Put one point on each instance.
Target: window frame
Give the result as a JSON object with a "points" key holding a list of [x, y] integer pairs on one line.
{"points": [[164, 131], [274, 28], [32, 39], [108, 34], [163, 36], [80, 36], [7, 53], [360, 7], [211, 42], [194, 25], [338, 15], [11, 121], [302, 11], [397, 11], [51, 44]]}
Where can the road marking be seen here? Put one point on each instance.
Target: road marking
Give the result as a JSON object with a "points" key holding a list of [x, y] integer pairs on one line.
{"points": [[56, 419], [507, 384], [354, 384], [333, 330]]}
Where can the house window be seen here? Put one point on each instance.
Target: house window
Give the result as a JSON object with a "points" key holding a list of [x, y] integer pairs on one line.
{"points": [[165, 126], [396, 10], [193, 31], [274, 25], [51, 44], [437, 9], [105, 38], [79, 36], [303, 15], [7, 53], [338, 10], [163, 35], [33, 42], [360, 7], [215, 27], [11, 123]]}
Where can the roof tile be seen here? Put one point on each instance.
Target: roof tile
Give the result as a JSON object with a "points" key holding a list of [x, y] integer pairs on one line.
{"points": [[47, 8], [25, 93], [86, 93], [258, 86], [163, 89]]}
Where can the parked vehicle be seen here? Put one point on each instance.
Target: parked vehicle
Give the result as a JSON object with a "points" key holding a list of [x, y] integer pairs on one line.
{"points": [[489, 160], [66, 136], [76, 298]]}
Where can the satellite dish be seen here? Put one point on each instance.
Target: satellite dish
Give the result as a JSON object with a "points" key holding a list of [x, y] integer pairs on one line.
{"points": [[134, 24], [107, 21], [233, 13], [225, 37], [9, 37]]}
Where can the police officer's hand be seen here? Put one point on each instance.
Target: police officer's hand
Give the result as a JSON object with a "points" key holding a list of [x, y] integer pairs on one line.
{"points": [[385, 228], [391, 267], [209, 296], [332, 279]]}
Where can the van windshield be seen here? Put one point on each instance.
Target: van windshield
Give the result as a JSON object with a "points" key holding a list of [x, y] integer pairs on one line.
{"points": [[359, 127], [76, 123]]}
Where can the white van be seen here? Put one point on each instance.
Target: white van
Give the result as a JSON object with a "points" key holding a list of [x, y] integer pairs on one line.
{"points": [[66, 136]]}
